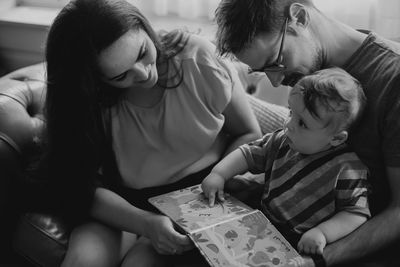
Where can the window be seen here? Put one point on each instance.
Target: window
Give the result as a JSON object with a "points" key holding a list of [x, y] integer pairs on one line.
{"points": [[181, 8], [43, 3], [381, 16]]}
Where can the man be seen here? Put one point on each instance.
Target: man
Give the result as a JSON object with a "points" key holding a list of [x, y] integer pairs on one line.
{"points": [[287, 39]]}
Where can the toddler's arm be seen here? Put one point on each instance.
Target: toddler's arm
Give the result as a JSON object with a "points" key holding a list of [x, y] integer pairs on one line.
{"points": [[341, 224], [232, 164]]}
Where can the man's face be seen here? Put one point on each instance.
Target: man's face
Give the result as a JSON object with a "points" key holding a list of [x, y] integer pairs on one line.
{"points": [[299, 54]]}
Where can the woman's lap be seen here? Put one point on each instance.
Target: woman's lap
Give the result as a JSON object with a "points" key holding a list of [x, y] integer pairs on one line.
{"points": [[142, 254], [95, 244], [139, 197]]}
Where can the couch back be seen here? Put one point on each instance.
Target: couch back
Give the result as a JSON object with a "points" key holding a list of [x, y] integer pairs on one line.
{"points": [[22, 96]]}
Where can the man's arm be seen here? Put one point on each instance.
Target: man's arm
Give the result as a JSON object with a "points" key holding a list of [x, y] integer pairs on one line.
{"points": [[380, 230]]}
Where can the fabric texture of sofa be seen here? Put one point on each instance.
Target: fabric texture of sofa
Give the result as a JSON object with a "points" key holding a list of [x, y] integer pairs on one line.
{"points": [[41, 238]]}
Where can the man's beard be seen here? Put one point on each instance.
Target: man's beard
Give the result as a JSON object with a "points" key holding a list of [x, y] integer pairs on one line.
{"points": [[293, 77]]}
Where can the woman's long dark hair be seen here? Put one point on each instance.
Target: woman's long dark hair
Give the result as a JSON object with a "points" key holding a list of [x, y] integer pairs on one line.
{"points": [[77, 102]]}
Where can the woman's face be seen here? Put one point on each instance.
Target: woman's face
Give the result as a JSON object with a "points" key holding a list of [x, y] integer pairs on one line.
{"points": [[130, 62]]}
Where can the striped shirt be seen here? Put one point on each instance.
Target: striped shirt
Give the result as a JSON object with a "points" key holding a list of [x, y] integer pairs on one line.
{"points": [[302, 191]]}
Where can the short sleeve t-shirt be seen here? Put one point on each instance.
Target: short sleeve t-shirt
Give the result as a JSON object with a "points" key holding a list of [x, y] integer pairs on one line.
{"points": [[376, 64], [154, 145], [301, 191]]}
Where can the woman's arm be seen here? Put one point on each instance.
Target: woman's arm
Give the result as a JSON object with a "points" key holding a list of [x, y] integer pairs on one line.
{"points": [[240, 121], [112, 209], [115, 211]]}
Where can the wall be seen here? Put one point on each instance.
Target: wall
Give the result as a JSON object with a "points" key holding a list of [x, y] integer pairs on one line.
{"points": [[22, 46], [23, 33]]}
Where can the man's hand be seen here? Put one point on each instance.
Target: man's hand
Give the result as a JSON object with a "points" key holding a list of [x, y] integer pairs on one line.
{"points": [[312, 242], [164, 238], [212, 184]]}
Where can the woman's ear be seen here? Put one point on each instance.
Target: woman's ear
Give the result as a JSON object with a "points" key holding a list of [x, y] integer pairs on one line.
{"points": [[298, 14], [339, 138]]}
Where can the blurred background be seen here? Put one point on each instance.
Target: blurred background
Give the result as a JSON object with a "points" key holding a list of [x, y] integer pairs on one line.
{"points": [[24, 25]]}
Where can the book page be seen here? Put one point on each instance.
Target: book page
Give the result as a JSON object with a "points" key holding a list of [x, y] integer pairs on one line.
{"points": [[250, 240], [189, 208]]}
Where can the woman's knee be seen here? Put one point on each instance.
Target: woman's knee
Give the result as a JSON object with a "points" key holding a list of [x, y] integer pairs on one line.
{"points": [[143, 254], [94, 244]]}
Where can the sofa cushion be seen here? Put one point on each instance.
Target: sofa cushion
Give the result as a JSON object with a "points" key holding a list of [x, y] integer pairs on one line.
{"points": [[41, 239], [270, 117], [21, 110]]}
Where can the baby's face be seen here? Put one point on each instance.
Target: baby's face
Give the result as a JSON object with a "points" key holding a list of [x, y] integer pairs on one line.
{"points": [[306, 133]]}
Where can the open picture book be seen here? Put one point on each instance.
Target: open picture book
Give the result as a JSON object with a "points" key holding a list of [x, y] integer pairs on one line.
{"points": [[228, 234]]}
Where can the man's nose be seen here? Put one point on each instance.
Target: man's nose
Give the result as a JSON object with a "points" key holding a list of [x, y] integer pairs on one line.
{"points": [[275, 78]]}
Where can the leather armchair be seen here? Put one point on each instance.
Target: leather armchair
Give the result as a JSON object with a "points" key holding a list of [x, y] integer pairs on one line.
{"points": [[39, 238]]}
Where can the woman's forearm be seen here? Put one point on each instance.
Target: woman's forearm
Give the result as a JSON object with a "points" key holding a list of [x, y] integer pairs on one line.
{"points": [[115, 211]]}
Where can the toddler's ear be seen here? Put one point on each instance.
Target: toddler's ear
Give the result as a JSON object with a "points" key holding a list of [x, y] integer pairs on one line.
{"points": [[339, 138]]}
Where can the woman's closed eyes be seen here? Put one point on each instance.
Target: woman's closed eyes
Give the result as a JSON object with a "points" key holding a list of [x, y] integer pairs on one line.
{"points": [[142, 54], [121, 77]]}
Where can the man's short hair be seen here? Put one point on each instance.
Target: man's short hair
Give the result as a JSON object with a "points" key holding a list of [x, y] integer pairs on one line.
{"points": [[240, 21]]}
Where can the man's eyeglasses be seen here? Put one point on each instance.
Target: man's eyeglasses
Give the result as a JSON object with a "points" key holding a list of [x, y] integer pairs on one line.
{"points": [[277, 66]]}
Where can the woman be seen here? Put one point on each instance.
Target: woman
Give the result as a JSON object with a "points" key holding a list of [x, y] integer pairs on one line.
{"points": [[132, 114]]}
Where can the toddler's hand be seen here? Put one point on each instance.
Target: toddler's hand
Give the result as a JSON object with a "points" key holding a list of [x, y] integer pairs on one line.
{"points": [[312, 242], [212, 184]]}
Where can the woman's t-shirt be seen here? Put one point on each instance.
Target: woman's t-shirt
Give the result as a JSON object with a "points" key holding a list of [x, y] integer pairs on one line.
{"points": [[182, 133]]}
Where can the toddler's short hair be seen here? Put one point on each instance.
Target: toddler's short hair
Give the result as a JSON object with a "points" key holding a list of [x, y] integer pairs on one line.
{"points": [[335, 90]]}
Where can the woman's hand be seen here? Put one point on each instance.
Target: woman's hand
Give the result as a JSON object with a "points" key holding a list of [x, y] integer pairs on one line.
{"points": [[164, 238]]}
